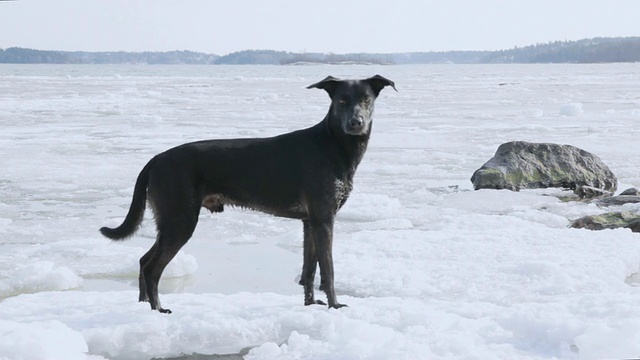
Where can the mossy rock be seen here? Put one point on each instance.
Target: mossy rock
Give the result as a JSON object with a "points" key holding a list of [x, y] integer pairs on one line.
{"points": [[523, 165], [612, 220]]}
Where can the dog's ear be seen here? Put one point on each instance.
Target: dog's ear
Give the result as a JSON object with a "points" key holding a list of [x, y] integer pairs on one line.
{"points": [[329, 84], [378, 83]]}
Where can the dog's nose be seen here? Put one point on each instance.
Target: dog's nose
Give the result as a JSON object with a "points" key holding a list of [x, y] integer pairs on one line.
{"points": [[356, 122]]}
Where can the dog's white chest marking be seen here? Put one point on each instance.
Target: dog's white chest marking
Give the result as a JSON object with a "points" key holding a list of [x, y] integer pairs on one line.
{"points": [[342, 190]]}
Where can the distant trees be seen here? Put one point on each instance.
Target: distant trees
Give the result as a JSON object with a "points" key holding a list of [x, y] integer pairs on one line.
{"points": [[595, 50], [441, 57], [254, 57], [331, 58], [31, 56]]}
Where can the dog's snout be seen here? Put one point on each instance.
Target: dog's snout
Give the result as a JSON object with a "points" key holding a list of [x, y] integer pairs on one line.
{"points": [[356, 122], [355, 125]]}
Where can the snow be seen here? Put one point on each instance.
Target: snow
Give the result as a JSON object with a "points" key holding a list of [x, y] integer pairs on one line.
{"points": [[429, 267]]}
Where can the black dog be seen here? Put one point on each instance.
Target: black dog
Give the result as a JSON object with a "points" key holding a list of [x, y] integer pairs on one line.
{"points": [[306, 174]]}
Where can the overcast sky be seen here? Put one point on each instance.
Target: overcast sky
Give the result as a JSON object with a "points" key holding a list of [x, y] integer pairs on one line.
{"points": [[339, 26]]}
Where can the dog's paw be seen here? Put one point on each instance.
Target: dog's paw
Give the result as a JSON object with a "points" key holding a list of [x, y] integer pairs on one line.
{"points": [[164, 311], [337, 306], [315, 302]]}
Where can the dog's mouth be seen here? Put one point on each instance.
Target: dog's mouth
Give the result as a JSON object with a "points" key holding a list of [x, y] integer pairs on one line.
{"points": [[355, 126], [355, 130]]}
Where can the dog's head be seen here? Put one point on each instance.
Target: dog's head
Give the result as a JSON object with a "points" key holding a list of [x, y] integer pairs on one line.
{"points": [[352, 102]]}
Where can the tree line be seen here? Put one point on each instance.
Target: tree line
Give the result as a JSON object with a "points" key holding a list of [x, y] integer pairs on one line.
{"points": [[595, 50]]}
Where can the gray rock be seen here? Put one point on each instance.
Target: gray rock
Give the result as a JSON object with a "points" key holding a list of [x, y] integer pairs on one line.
{"points": [[524, 165], [618, 200], [611, 220], [631, 191], [634, 225], [589, 192]]}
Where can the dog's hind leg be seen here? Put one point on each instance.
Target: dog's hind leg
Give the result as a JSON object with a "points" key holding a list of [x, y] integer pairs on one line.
{"points": [[309, 265], [168, 247], [142, 286], [172, 235]]}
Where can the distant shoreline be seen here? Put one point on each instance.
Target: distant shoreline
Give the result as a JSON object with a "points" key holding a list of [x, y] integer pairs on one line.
{"points": [[595, 50]]}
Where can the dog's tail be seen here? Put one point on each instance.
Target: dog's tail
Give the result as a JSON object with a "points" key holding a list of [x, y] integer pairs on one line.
{"points": [[136, 210]]}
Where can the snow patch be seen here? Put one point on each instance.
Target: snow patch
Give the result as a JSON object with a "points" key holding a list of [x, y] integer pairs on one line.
{"points": [[369, 207], [4, 224], [532, 113]]}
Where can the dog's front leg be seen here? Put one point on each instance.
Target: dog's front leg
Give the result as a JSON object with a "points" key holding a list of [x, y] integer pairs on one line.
{"points": [[309, 265], [322, 234]]}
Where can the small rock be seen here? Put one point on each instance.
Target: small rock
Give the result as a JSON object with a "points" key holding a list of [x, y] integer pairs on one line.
{"points": [[631, 191], [634, 225], [590, 192], [618, 200]]}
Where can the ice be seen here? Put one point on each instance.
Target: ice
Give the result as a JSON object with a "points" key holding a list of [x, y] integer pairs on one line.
{"points": [[573, 109], [39, 276], [615, 340], [41, 340], [39, 267], [430, 268]]}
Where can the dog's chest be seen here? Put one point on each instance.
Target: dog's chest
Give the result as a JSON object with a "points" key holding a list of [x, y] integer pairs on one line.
{"points": [[342, 188]]}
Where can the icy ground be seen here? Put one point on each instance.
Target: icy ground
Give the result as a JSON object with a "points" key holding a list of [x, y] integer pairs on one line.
{"points": [[429, 268]]}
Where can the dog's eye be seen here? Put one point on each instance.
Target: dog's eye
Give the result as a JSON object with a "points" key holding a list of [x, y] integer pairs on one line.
{"points": [[342, 101], [366, 99]]}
